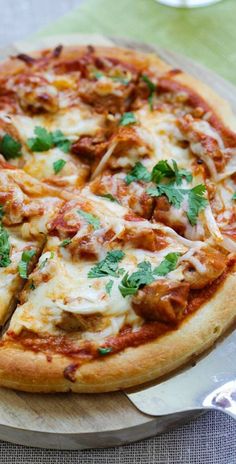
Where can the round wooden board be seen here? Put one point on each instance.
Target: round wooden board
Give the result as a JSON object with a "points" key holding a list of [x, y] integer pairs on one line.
{"points": [[70, 421]]}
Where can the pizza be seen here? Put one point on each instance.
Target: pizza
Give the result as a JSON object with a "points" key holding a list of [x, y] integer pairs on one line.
{"points": [[117, 219]]}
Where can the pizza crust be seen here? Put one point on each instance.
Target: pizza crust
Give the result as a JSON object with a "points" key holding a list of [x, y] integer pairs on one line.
{"points": [[29, 371], [33, 372]]}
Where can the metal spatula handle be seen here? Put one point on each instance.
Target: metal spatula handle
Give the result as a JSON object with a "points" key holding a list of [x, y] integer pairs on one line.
{"points": [[210, 384], [223, 399]]}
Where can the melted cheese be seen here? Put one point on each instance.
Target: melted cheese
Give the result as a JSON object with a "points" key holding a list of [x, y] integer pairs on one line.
{"points": [[10, 281], [69, 289]]}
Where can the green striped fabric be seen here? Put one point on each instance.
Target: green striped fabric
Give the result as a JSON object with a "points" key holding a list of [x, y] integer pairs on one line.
{"points": [[207, 34]]}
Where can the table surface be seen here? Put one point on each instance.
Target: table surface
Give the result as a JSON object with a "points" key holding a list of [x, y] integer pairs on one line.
{"points": [[209, 439]]}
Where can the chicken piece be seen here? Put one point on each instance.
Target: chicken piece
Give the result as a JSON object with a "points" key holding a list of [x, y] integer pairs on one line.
{"points": [[163, 214], [90, 148], [204, 267], [106, 95], [163, 301], [146, 239]]}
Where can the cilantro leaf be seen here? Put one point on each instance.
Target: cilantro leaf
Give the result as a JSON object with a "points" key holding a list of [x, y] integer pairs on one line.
{"points": [[98, 74], [121, 79], [23, 264], [9, 147], [152, 88], [196, 203], [145, 275], [58, 165], [60, 141], [32, 285], [180, 173], [110, 197], [108, 266], [109, 286], [4, 247], [234, 196], [43, 140], [139, 172], [65, 242], [174, 194], [89, 218], [103, 350], [127, 118], [167, 265], [1, 212], [163, 169]]}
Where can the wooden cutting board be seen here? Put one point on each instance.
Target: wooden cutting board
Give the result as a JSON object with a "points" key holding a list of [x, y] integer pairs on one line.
{"points": [[70, 421]]}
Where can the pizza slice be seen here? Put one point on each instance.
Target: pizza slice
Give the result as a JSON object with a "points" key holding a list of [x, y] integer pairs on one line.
{"points": [[26, 206]]}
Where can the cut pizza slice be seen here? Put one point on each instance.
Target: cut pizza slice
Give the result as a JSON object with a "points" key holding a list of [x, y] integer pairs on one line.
{"points": [[26, 206], [107, 284]]}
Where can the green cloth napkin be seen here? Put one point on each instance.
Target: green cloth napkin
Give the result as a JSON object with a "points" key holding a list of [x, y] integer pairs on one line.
{"points": [[207, 34]]}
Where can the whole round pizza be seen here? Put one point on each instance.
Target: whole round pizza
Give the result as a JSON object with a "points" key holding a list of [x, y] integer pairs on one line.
{"points": [[117, 219]]}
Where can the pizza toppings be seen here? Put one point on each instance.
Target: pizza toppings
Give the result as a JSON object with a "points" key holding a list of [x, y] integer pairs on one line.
{"points": [[147, 218], [4, 247], [108, 266], [146, 275], [203, 267], [163, 301], [127, 119], [45, 140], [10, 148], [26, 257]]}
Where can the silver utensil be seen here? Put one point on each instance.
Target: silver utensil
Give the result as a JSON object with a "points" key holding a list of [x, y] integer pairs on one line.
{"points": [[210, 384]]}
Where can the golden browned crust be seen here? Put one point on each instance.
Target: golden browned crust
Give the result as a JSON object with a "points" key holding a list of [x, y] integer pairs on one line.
{"points": [[30, 371]]}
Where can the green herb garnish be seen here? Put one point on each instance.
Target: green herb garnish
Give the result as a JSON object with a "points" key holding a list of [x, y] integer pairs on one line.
{"points": [[89, 218], [110, 197], [146, 275], [45, 140], [108, 266], [127, 118], [131, 283], [152, 88], [104, 351], [65, 242], [58, 165], [175, 195], [32, 285], [26, 256], [109, 286], [121, 79], [160, 171], [4, 247], [234, 196], [139, 172], [167, 265], [60, 141], [10, 148], [1, 212]]}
